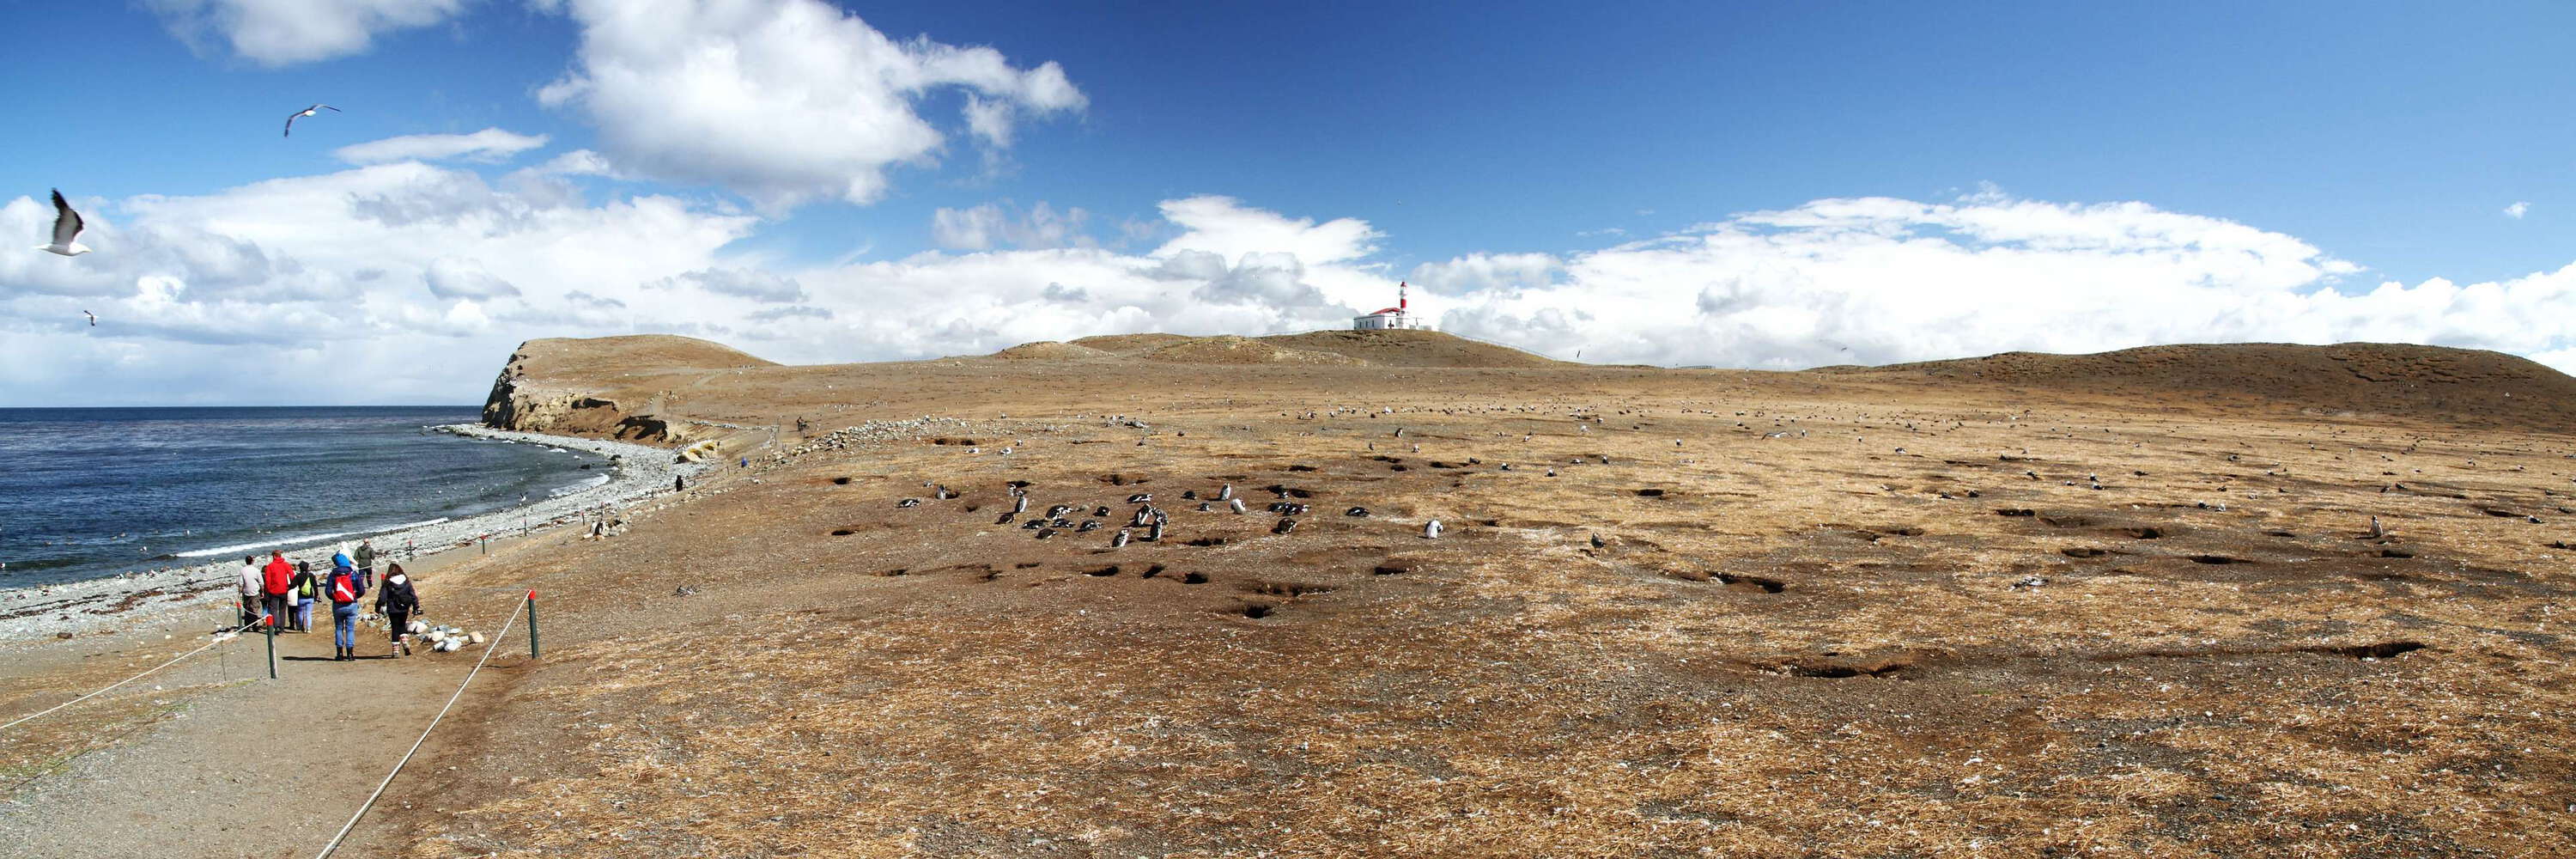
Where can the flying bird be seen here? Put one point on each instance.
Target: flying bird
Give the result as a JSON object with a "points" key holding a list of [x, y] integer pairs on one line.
{"points": [[93, 318], [67, 225], [292, 117]]}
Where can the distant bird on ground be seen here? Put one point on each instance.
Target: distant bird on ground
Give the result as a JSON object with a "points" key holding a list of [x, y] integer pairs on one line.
{"points": [[93, 318], [67, 226], [2376, 530], [292, 117]]}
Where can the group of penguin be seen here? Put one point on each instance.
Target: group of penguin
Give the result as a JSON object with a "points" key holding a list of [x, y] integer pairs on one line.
{"points": [[1147, 516]]}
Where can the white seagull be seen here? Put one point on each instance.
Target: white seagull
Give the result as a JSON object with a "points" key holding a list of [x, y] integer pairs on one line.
{"points": [[67, 225], [292, 117]]}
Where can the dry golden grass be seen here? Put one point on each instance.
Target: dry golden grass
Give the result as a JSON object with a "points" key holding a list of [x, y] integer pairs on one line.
{"points": [[1811, 644]]}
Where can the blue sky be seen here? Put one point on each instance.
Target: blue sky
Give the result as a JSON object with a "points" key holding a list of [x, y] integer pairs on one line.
{"points": [[1519, 159]]}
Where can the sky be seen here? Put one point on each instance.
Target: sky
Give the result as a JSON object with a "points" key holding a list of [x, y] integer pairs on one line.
{"points": [[1761, 185]]}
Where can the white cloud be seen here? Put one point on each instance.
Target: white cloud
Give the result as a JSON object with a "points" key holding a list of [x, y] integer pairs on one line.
{"points": [[409, 282], [1897, 280], [490, 144], [782, 101], [993, 225], [284, 32], [2517, 210], [753, 284]]}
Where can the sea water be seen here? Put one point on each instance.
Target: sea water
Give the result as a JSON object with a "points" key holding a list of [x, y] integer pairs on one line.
{"points": [[86, 493]]}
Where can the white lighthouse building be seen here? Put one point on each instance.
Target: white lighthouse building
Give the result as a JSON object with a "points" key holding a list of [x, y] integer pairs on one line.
{"points": [[1392, 317]]}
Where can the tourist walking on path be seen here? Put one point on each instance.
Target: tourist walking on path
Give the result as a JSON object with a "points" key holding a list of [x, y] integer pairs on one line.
{"points": [[251, 589], [397, 602], [302, 588], [366, 564], [272, 588], [344, 591]]}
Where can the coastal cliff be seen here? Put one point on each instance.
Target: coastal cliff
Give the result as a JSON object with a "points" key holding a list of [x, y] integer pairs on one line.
{"points": [[602, 386]]}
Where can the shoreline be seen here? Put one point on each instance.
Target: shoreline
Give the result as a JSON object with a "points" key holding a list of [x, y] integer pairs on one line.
{"points": [[48, 610]]}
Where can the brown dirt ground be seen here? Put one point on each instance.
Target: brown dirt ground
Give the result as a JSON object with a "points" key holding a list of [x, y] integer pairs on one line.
{"points": [[1815, 643]]}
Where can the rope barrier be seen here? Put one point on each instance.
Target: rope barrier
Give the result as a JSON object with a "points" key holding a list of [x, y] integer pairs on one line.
{"points": [[488, 647], [220, 638]]}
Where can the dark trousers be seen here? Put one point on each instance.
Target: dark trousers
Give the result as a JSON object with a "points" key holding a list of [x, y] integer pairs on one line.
{"points": [[275, 605], [398, 621]]}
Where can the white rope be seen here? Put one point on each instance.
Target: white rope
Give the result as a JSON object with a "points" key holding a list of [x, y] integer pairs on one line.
{"points": [[495, 644], [220, 638]]}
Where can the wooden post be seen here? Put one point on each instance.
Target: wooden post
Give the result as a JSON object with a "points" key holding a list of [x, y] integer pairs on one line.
{"points": [[532, 624], [269, 626]]}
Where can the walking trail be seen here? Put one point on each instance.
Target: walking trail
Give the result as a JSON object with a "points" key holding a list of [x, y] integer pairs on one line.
{"points": [[209, 758]]}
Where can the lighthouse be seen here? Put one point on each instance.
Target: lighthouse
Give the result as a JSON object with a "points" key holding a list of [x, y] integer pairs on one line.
{"points": [[1397, 317]]}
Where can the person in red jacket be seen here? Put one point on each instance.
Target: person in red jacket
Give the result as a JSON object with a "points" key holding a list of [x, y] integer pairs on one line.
{"points": [[278, 575]]}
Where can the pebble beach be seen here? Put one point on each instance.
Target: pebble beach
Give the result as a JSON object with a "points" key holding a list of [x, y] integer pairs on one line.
{"points": [[48, 610]]}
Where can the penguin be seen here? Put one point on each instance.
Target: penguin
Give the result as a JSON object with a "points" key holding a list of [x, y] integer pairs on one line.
{"points": [[1087, 526], [1020, 506], [1154, 533], [1102, 510], [2376, 530], [1044, 533], [1235, 505], [908, 502], [1597, 542], [1225, 493], [1431, 530], [1284, 526], [1140, 498], [1119, 541], [1190, 495], [1005, 520], [1205, 507], [1356, 511]]}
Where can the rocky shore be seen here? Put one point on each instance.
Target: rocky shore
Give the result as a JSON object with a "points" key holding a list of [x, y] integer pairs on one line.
{"points": [[636, 471]]}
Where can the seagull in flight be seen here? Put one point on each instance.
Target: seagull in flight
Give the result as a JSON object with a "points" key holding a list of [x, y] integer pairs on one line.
{"points": [[292, 117], [93, 318], [67, 225]]}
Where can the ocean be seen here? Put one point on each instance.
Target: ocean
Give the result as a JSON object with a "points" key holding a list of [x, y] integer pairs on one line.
{"points": [[86, 493]]}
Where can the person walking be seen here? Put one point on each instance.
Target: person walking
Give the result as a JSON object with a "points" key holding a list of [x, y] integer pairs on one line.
{"points": [[366, 564], [302, 588], [397, 602], [251, 588], [344, 591], [272, 588]]}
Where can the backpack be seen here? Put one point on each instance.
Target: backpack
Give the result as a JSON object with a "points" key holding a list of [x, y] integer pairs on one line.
{"points": [[305, 589], [342, 591]]}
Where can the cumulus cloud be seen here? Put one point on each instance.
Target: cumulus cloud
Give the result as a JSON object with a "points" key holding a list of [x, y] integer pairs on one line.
{"points": [[782, 101], [450, 277], [1872, 280], [2517, 210], [284, 32], [993, 225], [753, 284], [409, 282], [490, 144]]}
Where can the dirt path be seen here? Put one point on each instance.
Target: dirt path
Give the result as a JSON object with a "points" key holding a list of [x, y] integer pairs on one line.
{"points": [[246, 767]]}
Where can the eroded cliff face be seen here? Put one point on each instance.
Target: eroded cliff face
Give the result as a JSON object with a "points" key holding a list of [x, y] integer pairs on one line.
{"points": [[519, 401]]}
